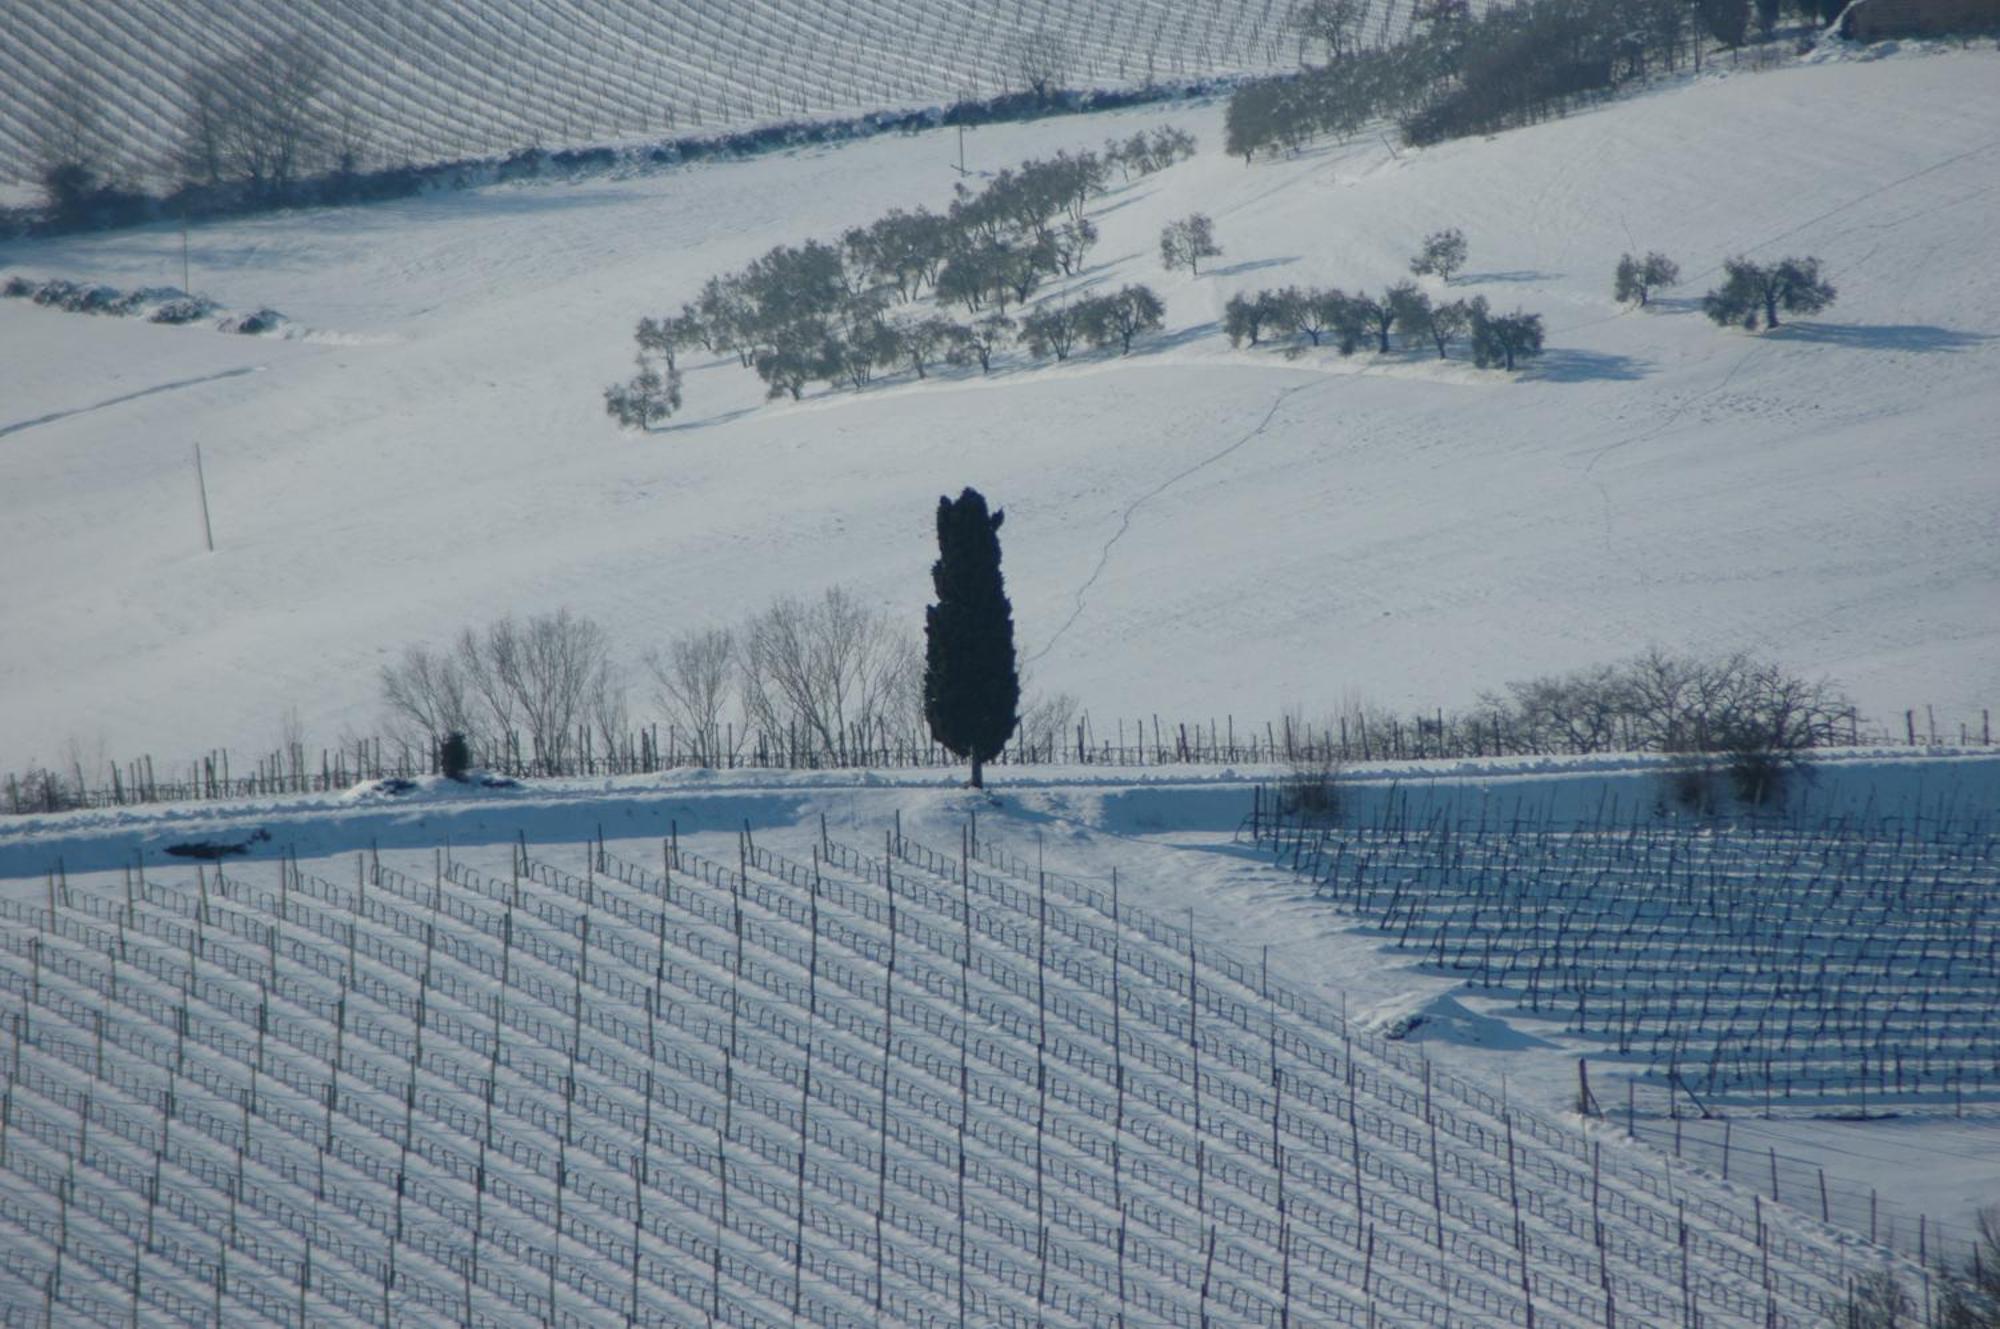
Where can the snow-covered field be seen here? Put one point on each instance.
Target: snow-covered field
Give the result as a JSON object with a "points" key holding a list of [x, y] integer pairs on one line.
{"points": [[1191, 530]]}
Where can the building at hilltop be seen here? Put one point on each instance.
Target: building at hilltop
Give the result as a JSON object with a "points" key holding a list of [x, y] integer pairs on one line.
{"points": [[1873, 20]]}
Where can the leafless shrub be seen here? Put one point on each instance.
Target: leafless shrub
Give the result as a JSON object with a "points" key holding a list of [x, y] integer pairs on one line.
{"points": [[1048, 725], [1730, 716], [1961, 1294], [1310, 789], [41, 789]]}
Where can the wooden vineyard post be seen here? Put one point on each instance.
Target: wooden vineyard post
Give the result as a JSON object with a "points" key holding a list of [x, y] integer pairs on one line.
{"points": [[1194, 1057], [1520, 1228], [1354, 1141], [805, 1082], [888, 1055], [1598, 1236], [964, 1072], [1207, 1274], [725, 1124], [1278, 1166], [1437, 1177], [1041, 1078], [1118, 1083]]}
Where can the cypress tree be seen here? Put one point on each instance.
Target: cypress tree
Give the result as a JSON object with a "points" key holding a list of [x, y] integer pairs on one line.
{"points": [[971, 690]]}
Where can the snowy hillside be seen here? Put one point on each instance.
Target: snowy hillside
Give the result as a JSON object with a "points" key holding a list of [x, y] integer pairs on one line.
{"points": [[427, 83], [837, 1087], [1191, 530]]}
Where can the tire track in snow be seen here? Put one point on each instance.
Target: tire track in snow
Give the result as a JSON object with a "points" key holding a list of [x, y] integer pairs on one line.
{"points": [[177, 384], [1125, 520]]}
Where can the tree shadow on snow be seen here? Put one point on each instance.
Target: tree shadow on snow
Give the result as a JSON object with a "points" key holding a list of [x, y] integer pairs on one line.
{"points": [[1518, 274], [1137, 194], [1250, 265], [1880, 336], [1672, 304], [684, 426], [1564, 364], [1155, 343]]}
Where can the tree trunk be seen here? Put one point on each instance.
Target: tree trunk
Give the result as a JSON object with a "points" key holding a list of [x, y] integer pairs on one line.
{"points": [[978, 780]]}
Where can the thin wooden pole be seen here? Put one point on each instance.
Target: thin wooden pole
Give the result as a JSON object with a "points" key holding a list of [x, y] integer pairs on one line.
{"points": [[201, 484]]}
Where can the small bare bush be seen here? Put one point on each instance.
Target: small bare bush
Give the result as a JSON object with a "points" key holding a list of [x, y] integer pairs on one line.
{"points": [[1310, 789], [1048, 726]]}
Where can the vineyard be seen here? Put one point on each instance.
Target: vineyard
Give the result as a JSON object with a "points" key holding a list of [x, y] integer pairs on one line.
{"points": [[1837, 967], [433, 83], [843, 1087]]}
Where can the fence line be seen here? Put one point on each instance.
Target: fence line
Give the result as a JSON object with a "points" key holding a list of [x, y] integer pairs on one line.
{"points": [[1142, 741]]}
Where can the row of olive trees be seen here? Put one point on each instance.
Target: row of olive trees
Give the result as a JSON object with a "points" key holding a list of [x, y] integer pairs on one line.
{"points": [[826, 676], [836, 312], [1350, 319], [1751, 294]]}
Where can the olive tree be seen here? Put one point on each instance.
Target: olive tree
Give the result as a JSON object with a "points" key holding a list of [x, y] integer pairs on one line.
{"points": [[1637, 278], [1443, 255], [1185, 243], [1752, 289], [1120, 316], [645, 399], [1505, 338]]}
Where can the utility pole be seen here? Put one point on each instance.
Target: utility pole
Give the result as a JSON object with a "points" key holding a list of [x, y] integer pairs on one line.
{"points": [[201, 483]]}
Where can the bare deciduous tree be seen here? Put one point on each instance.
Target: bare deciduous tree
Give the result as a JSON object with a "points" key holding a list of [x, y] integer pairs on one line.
{"points": [[831, 673], [1334, 24], [547, 680], [694, 682], [1043, 60], [255, 116], [427, 696]]}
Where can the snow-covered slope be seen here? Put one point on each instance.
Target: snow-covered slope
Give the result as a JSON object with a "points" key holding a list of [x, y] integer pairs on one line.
{"points": [[859, 1089], [1192, 529]]}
